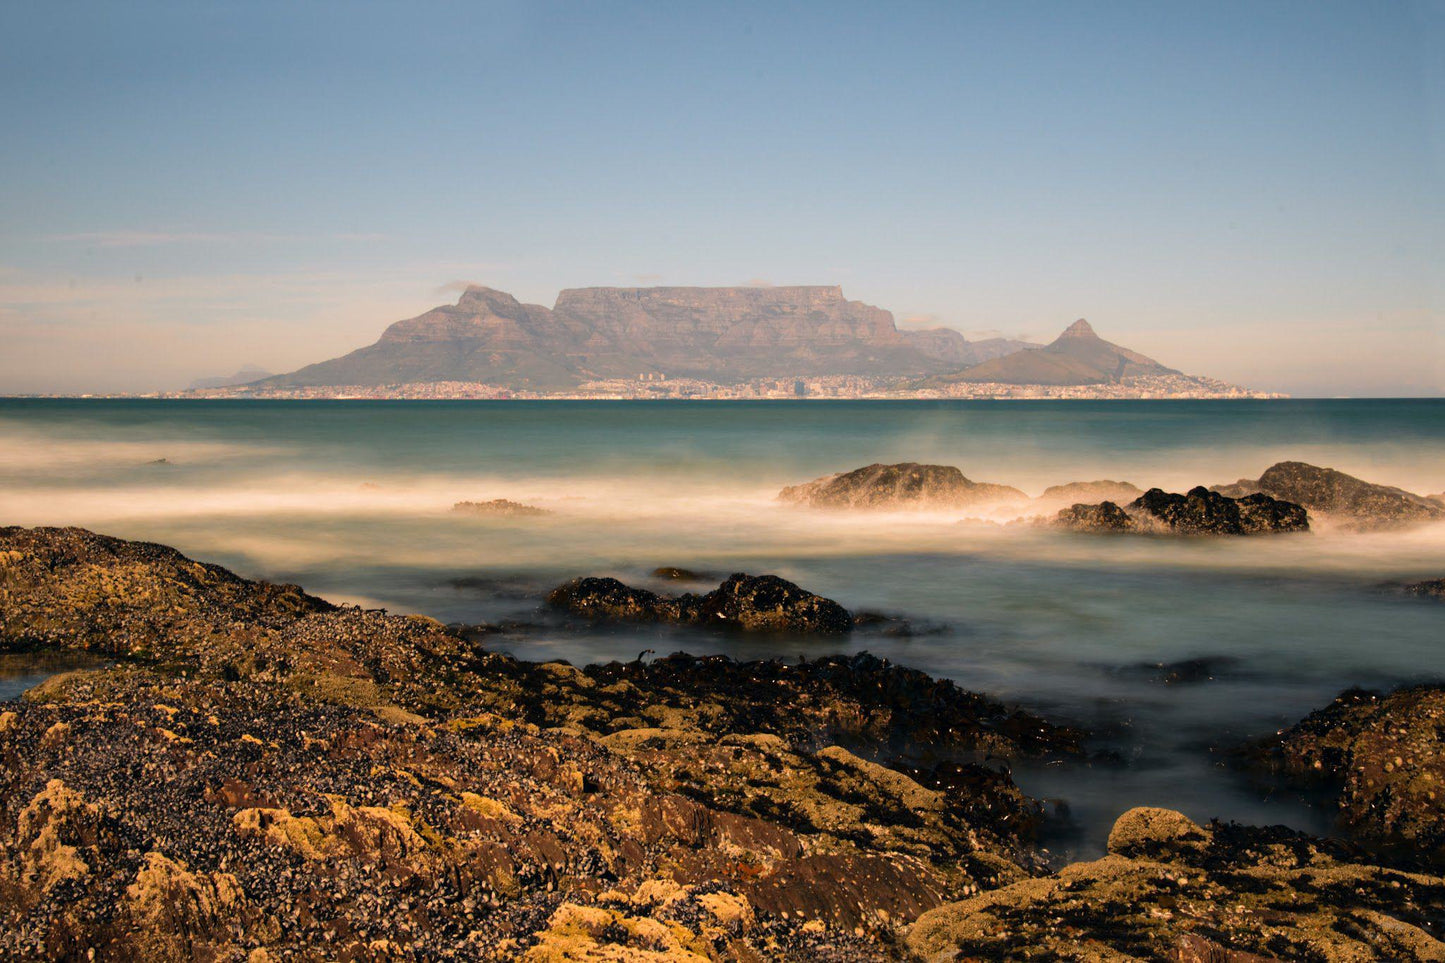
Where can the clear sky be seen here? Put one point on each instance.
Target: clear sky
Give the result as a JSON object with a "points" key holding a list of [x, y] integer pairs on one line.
{"points": [[1252, 191]]}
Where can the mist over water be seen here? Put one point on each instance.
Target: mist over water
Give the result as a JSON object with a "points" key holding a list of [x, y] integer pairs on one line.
{"points": [[352, 500]]}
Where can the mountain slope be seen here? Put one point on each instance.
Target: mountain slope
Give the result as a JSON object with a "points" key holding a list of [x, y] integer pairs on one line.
{"points": [[718, 334], [1076, 357]]}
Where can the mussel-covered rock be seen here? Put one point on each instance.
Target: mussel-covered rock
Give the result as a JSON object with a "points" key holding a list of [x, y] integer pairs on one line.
{"points": [[751, 603], [1384, 758], [1198, 512]]}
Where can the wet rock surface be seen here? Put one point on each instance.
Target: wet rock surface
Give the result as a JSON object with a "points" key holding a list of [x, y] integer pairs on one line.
{"points": [[1351, 500], [749, 603], [1383, 756], [906, 485], [1172, 890], [1198, 512]]}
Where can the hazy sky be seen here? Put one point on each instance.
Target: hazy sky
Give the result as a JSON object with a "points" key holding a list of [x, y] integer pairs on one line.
{"points": [[1249, 190]]}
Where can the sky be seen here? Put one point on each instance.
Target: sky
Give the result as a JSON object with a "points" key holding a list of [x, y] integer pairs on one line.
{"points": [[1253, 191]]}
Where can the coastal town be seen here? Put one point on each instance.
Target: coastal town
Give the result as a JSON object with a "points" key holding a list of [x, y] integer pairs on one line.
{"points": [[657, 386]]}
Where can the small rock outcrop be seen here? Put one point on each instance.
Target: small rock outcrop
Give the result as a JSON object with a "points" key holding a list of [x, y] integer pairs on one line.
{"points": [[1384, 758], [499, 507], [1103, 518], [1351, 500], [1198, 512], [750, 603], [906, 485], [1429, 589], [1170, 889]]}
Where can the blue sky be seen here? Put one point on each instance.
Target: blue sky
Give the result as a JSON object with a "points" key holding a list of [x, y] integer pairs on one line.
{"points": [[1248, 190]]}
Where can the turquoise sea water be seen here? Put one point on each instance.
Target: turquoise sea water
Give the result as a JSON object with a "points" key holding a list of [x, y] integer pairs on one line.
{"points": [[352, 499]]}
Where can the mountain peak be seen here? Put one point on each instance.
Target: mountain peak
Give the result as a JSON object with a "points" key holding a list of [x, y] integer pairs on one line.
{"points": [[1079, 329]]}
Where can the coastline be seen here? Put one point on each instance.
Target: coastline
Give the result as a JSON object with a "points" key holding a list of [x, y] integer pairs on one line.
{"points": [[320, 769]]}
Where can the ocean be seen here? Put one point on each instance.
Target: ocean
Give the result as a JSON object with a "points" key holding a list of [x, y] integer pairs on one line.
{"points": [[352, 500]]}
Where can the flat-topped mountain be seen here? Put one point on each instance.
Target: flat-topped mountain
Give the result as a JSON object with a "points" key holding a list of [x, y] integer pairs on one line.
{"points": [[1076, 357], [719, 334]]}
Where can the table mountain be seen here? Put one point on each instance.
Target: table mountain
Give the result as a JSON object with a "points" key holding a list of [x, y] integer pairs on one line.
{"points": [[718, 334]]}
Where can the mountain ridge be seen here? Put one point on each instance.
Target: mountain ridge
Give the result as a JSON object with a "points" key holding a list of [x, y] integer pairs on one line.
{"points": [[718, 333]]}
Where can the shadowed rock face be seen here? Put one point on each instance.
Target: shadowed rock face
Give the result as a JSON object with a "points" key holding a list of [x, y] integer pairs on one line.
{"points": [[907, 485], [1199, 512], [1173, 890], [1384, 756], [762, 603], [1329, 492]]}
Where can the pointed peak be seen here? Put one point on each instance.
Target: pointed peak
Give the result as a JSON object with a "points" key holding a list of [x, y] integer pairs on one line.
{"points": [[480, 292], [1079, 329]]}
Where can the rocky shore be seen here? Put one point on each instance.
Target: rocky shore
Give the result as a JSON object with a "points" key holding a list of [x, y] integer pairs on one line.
{"points": [[259, 775]]}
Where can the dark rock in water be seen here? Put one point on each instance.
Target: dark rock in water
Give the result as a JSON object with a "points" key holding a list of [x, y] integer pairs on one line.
{"points": [[1186, 672], [1170, 889], [1203, 512], [1384, 758], [907, 485], [1105, 517], [1326, 491], [1432, 589], [1200, 512], [676, 574], [762, 603], [499, 507]]}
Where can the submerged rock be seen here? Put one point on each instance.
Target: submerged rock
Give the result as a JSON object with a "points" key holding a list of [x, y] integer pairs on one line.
{"points": [[906, 485], [750, 603], [1185, 672], [1384, 758], [675, 574], [1329, 492], [1199, 512], [1170, 889], [1056, 497], [500, 507]]}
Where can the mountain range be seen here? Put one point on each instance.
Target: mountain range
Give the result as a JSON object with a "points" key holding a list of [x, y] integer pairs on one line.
{"points": [[721, 335]]}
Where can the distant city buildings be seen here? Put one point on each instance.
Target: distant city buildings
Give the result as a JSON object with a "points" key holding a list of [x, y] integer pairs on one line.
{"points": [[657, 385]]}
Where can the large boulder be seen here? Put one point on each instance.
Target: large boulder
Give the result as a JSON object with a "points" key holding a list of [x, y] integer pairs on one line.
{"points": [[1325, 491], [906, 485], [750, 603], [1198, 512]]}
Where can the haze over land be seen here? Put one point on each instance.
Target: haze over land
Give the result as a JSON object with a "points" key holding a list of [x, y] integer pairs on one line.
{"points": [[1250, 192]]}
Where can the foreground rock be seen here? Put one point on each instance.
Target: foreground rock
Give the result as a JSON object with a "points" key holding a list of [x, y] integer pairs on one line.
{"points": [[1172, 890], [1199, 512], [264, 773], [907, 485], [750, 603], [499, 507], [1383, 756], [1352, 501]]}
